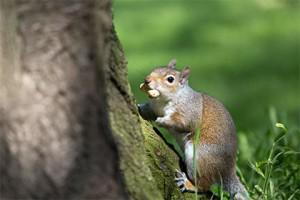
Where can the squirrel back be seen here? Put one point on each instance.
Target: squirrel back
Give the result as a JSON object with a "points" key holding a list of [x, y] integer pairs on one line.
{"points": [[217, 126]]}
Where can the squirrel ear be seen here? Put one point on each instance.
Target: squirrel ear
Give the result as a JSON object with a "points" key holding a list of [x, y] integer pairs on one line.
{"points": [[184, 75], [172, 64]]}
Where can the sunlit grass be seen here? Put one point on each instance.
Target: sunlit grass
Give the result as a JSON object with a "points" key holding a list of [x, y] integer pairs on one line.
{"points": [[277, 175]]}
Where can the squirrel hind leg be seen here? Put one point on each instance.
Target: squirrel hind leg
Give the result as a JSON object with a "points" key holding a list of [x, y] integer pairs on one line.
{"points": [[184, 183], [236, 189], [240, 196]]}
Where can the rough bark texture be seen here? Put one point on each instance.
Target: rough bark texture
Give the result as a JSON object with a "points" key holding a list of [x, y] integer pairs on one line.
{"points": [[55, 139], [69, 127]]}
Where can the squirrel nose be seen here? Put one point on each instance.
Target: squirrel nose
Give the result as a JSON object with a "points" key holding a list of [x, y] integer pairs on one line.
{"points": [[147, 80]]}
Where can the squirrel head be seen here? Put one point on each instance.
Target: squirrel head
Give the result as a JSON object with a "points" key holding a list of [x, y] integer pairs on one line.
{"points": [[166, 80]]}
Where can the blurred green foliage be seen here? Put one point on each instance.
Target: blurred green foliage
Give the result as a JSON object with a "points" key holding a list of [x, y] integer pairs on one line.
{"points": [[244, 53]]}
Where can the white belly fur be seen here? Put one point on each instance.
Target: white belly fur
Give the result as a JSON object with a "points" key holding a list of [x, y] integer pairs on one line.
{"points": [[189, 158]]}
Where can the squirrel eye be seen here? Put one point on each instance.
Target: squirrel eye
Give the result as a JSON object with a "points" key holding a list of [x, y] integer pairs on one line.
{"points": [[170, 79]]}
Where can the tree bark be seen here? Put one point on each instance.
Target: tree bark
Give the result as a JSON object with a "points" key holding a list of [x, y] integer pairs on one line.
{"points": [[69, 127]]}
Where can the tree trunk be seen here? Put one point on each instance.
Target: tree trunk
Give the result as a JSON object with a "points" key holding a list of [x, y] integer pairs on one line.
{"points": [[69, 127]]}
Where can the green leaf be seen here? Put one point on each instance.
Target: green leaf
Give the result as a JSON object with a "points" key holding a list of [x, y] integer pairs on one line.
{"points": [[276, 156], [280, 125], [261, 163], [292, 196], [271, 188], [257, 170], [258, 188], [279, 137], [215, 189]]}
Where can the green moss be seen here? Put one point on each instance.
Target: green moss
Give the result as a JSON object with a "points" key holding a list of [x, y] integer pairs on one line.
{"points": [[163, 162]]}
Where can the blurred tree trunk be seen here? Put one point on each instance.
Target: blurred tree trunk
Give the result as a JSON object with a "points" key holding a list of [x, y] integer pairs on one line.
{"points": [[55, 139], [69, 127]]}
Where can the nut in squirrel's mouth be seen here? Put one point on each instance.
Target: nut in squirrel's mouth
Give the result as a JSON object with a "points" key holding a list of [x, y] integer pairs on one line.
{"points": [[152, 93]]}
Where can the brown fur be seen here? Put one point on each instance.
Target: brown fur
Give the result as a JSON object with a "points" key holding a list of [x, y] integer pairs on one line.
{"points": [[216, 129], [177, 118], [214, 122]]}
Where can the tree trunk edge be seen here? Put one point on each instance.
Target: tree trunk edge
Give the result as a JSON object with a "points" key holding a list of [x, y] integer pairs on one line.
{"points": [[146, 161]]}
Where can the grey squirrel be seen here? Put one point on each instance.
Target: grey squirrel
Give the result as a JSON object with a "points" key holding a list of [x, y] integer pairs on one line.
{"points": [[175, 106]]}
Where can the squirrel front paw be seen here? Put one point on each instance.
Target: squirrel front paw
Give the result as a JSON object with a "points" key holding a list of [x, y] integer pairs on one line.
{"points": [[159, 120], [183, 182], [164, 122], [146, 112]]}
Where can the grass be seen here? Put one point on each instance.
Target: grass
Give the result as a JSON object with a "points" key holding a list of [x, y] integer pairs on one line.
{"points": [[196, 141], [276, 176], [275, 167], [244, 53]]}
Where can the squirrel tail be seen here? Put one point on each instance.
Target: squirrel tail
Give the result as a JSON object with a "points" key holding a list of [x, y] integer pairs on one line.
{"points": [[236, 189]]}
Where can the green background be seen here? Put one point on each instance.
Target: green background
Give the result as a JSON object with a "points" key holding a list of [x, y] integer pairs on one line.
{"points": [[244, 53]]}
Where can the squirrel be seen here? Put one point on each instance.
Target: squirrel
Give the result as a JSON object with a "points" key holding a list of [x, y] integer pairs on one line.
{"points": [[175, 106]]}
